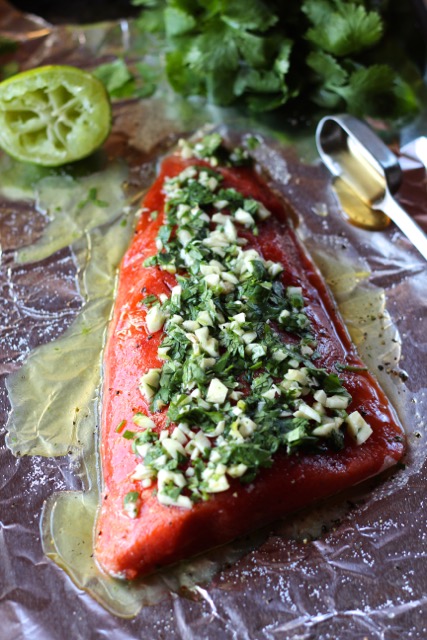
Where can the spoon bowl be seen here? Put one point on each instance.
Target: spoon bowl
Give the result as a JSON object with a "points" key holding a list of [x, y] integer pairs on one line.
{"points": [[367, 174]]}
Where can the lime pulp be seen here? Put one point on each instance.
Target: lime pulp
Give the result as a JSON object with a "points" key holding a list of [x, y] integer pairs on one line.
{"points": [[53, 115]]}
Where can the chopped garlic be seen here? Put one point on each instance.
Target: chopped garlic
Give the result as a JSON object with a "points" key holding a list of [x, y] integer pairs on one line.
{"points": [[337, 402], [143, 421], [244, 218], [149, 383], [246, 426], [208, 344], [155, 319], [305, 411], [201, 442], [320, 396], [173, 447], [237, 470], [205, 319], [217, 392], [358, 427], [142, 472]]}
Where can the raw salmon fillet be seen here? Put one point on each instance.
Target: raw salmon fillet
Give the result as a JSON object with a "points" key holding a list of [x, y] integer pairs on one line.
{"points": [[160, 535]]}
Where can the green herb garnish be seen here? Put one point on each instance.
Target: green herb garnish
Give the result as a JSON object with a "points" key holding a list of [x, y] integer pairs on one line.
{"points": [[339, 366], [92, 198], [129, 435], [122, 82], [131, 503], [337, 54], [236, 387], [120, 426]]}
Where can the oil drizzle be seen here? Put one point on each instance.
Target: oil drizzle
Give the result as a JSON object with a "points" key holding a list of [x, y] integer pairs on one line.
{"points": [[55, 395], [54, 399], [356, 211]]}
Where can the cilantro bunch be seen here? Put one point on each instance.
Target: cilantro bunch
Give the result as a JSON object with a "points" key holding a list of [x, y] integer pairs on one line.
{"points": [[334, 54]]}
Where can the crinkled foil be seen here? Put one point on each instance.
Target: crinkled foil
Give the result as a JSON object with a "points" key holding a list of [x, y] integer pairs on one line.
{"points": [[353, 568]]}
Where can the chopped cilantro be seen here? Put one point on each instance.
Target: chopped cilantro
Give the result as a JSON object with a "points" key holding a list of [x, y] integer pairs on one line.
{"points": [[339, 366], [237, 388], [150, 262], [131, 497], [92, 198], [207, 147], [148, 301], [120, 426], [171, 490], [131, 503], [128, 435]]}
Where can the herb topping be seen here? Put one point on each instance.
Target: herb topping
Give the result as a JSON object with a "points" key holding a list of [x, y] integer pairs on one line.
{"points": [[237, 391]]}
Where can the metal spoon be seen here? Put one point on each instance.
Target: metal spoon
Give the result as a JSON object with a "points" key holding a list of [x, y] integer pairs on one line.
{"points": [[354, 153]]}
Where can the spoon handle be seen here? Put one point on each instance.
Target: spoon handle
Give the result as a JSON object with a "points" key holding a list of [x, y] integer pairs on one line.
{"points": [[405, 223]]}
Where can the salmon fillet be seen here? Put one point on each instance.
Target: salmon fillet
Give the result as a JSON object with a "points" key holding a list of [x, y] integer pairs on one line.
{"points": [[152, 534]]}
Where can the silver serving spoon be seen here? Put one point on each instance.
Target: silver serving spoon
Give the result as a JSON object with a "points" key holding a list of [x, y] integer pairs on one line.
{"points": [[357, 156]]}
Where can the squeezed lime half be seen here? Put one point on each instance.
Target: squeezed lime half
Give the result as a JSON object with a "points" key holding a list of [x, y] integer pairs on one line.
{"points": [[53, 115]]}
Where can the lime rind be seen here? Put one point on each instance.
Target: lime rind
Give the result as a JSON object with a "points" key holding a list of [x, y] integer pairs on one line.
{"points": [[53, 115]]}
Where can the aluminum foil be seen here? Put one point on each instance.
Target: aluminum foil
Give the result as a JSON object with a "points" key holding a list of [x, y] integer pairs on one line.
{"points": [[353, 568]]}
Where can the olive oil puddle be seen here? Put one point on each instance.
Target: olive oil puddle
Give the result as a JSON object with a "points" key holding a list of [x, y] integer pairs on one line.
{"points": [[363, 309], [55, 394], [59, 378]]}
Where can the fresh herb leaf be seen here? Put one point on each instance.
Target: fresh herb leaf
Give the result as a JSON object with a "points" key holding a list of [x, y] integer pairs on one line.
{"points": [[269, 54], [115, 76], [251, 15], [237, 388], [128, 435], [342, 28], [131, 503], [371, 90], [121, 82], [150, 300], [339, 366], [178, 21], [92, 198], [120, 426], [151, 19], [131, 497]]}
